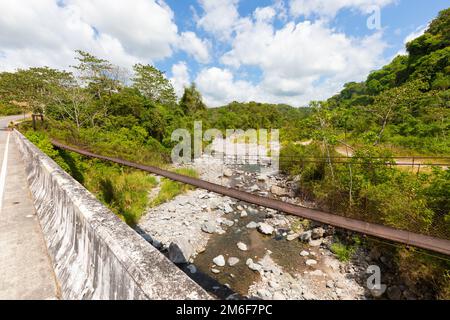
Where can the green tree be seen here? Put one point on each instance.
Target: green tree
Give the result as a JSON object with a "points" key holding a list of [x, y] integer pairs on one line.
{"points": [[192, 101], [35, 87], [153, 85], [99, 75]]}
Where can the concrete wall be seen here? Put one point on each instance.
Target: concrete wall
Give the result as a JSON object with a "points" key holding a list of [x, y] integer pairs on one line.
{"points": [[95, 255]]}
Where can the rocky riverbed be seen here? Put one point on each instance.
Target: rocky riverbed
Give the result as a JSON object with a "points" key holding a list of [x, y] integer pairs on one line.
{"points": [[236, 250]]}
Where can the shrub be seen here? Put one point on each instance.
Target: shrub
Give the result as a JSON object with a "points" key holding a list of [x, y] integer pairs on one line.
{"points": [[342, 251], [170, 189]]}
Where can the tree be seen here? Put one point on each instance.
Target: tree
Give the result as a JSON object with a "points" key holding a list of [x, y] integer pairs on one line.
{"points": [[99, 75], [191, 101], [395, 103], [35, 87], [153, 85]]}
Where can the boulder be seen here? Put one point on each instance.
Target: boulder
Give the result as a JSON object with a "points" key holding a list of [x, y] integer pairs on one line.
{"points": [[232, 261], [192, 269], [219, 261], [317, 273], [253, 266], [180, 251], [292, 237], [278, 191], [315, 243], [305, 236], [265, 228], [242, 246], [227, 172], [317, 233], [209, 227], [227, 208], [252, 225], [311, 262], [228, 223], [264, 294]]}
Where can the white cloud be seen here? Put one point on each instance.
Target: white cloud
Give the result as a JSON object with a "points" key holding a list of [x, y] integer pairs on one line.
{"points": [[180, 77], [199, 49], [219, 87], [415, 34], [219, 17], [299, 62], [46, 32], [327, 8]]}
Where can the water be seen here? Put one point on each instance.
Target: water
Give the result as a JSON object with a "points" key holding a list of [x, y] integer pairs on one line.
{"points": [[240, 277]]}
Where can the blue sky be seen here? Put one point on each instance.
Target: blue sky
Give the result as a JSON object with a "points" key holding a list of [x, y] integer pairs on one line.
{"points": [[279, 51]]}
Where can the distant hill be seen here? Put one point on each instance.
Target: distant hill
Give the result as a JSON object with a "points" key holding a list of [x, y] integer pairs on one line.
{"points": [[409, 98]]}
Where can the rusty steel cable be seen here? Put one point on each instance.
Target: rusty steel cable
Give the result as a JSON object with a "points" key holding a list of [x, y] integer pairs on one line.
{"points": [[384, 232]]}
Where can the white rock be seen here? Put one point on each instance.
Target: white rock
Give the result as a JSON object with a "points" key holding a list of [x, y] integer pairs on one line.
{"points": [[244, 214], [227, 208], [219, 261], [253, 266], [242, 246], [227, 172], [317, 273], [228, 223], [265, 228], [311, 262], [309, 296], [232, 261], [192, 268], [278, 191], [278, 296], [216, 271], [209, 227], [305, 236], [291, 237], [317, 233], [304, 253], [264, 294], [274, 284], [315, 243], [252, 225], [180, 251]]}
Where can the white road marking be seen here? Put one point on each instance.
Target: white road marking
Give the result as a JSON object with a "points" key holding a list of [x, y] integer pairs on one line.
{"points": [[3, 172]]}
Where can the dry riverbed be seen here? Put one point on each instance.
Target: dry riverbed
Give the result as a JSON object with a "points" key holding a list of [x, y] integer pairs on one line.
{"points": [[240, 251]]}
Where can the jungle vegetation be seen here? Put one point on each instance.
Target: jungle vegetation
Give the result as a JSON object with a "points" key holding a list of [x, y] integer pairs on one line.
{"points": [[401, 109]]}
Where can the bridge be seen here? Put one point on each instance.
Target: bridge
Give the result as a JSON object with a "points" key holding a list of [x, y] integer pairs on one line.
{"points": [[58, 242]]}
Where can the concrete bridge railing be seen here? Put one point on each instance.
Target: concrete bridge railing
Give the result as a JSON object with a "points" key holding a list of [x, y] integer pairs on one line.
{"points": [[95, 255]]}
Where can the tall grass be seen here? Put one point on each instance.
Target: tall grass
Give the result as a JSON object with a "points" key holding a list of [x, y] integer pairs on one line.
{"points": [[170, 189]]}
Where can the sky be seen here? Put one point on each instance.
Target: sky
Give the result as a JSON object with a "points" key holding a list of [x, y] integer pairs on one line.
{"points": [[275, 51]]}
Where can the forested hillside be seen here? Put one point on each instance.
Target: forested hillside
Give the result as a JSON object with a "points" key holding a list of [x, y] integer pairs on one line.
{"points": [[407, 102], [401, 109]]}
